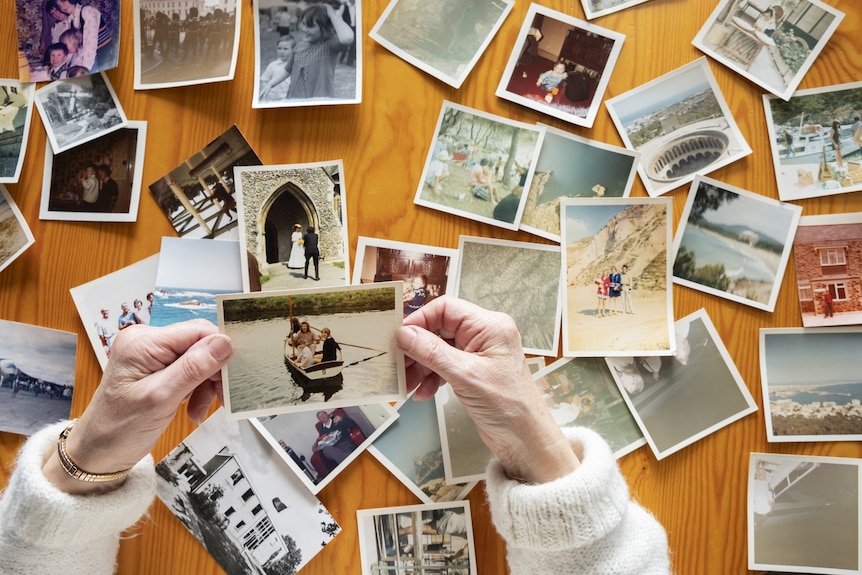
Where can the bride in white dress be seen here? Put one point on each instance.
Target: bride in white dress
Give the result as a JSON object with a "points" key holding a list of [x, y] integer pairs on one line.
{"points": [[297, 252]]}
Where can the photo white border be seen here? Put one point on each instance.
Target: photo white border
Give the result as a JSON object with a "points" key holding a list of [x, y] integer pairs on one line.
{"points": [[446, 390], [30, 93], [365, 242], [595, 14], [22, 223]]}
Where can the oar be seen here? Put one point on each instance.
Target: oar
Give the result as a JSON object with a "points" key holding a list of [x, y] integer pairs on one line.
{"points": [[366, 359], [350, 344]]}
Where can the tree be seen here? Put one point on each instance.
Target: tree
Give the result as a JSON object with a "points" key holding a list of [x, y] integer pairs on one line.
{"points": [[709, 197], [289, 562], [685, 267], [510, 159]]}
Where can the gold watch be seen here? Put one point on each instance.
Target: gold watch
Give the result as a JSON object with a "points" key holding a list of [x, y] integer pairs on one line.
{"points": [[76, 472]]}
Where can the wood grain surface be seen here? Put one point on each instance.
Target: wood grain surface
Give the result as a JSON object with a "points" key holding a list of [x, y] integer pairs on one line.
{"points": [[699, 493]]}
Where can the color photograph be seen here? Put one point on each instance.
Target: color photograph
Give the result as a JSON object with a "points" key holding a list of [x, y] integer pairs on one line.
{"points": [[15, 234], [596, 8], [16, 111], [465, 455]]}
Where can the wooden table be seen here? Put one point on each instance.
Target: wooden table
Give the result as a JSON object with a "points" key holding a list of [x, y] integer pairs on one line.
{"points": [[699, 494]]}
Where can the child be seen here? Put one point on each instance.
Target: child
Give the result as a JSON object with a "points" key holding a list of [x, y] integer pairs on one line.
{"points": [[551, 79], [602, 283], [414, 298], [58, 59], [90, 187], [73, 38], [270, 90]]}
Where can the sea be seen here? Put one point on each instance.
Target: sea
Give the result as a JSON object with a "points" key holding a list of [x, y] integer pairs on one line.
{"points": [[840, 393], [172, 305], [710, 249]]}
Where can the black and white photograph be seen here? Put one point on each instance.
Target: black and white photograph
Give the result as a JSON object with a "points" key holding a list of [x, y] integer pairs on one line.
{"points": [[303, 350], [770, 42], [816, 138], [560, 66], [681, 125], [184, 44], [521, 279], [411, 450], [37, 376], [15, 234], [596, 8], [570, 166], [465, 455], [803, 514], [59, 39], [99, 181], [478, 166], [733, 243], [78, 110], [16, 112], [582, 392], [681, 399], [318, 445], [812, 390], [198, 196], [443, 39], [617, 294], [423, 269], [307, 53], [240, 502]]}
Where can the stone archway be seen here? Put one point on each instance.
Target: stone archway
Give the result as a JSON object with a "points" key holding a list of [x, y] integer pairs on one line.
{"points": [[286, 207]]}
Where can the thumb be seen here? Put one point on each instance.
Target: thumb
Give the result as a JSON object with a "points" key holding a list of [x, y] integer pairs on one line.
{"points": [[429, 350], [200, 362]]}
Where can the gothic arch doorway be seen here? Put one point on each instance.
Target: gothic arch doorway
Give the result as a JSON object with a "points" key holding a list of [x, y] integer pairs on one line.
{"points": [[287, 206]]}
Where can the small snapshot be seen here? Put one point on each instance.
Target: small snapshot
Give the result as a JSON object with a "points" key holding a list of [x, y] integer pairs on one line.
{"points": [[15, 234], [16, 111], [596, 8], [465, 455]]}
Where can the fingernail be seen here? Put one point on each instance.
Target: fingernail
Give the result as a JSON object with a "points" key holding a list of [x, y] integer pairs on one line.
{"points": [[404, 338], [221, 347]]}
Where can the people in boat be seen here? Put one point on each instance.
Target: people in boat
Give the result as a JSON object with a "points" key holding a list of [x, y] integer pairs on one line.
{"points": [[330, 346], [305, 335], [304, 356]]}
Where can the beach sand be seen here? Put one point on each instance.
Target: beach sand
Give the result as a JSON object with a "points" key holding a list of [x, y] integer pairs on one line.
{"points": [[12, 236]]}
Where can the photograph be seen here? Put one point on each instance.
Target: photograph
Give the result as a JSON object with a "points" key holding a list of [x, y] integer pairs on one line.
{"points": [[411, 450], [465, 455], [803, 514], [826, 252], [478, 165], [816, 131], [59, 39], [535, 363], [812, 390], [770, 42], [307, 53], [570, 166], [733, 243], [430, 538], [596, 8], [300, 350], [184, 43], [679, 400], [423, 269], [581, 392], [294, 224], [560, 66], [16, 111], [444, 39], [198, 195], [318, 445], [248, 510], [191, 273], [521, 279], [617, 293], [114, 302], [681, 125], [78, 110], [37, 376], [99, 181], [15, 234]]}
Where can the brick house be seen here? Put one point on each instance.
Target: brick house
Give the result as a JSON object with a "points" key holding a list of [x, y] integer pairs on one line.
{"points": [[829, 258]]}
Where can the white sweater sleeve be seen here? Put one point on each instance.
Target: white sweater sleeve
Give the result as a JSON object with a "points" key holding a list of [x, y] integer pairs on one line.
{"points": [[585, 522], [47, 531]]}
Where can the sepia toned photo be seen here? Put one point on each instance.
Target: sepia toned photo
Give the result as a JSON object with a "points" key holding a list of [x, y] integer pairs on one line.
{"points": [[681, 125], [15, 234], [16, 111], [560, 66], [733, 243], [596, 8], [465, 455], [617, 298]]}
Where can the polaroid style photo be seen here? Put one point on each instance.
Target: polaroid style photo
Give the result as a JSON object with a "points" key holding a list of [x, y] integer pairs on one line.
{"points": [[681, 125], [733, 243], [824, 252], [423, 269], [521, 279], [465, 455], [424, 537], [300, 211], [16, 111], [679, 400], [37, 376], [581, 392], [98, 181], [596, 8], [803, 514], [444, 39], [303, 350], [307, 56], [15, 234], [191, 274], [570, 166], [107, 304], [617, 296], [478, 165], [811, 385], [535, 363], [205, 51], [560, 66], [78, 110], [773, 44], [815, 141], [318, 445], [411, 450], [222, 482]]}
